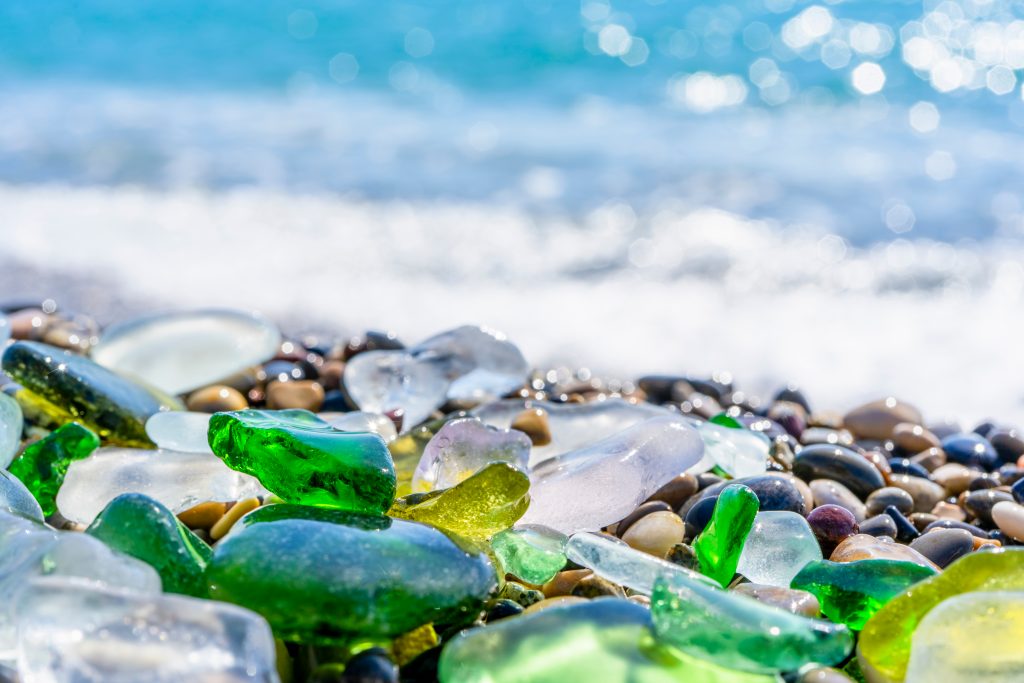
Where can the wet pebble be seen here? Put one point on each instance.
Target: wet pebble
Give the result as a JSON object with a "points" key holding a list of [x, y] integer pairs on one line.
{"points": [[889, 495], [832, 524], [879, 525], [878, 419], [644, 509], [1009, 444], [1017, 491], [215, 399], [828, 492], [304, 394], [655, 533], [677, 491], [942, 546], [534, 423], [980, 503], [774, 492], [907, 466], [944, 510], [913, 438], [839, 464], [563, 582], [866, 547], [925, 493], [953, 477], [596, 587], [954, 524], [1009, 517], [905, 529], [930, 459], [970, 449]]}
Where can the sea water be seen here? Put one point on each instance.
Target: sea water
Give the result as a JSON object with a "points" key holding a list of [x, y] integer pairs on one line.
{"points": [[823, 193]]}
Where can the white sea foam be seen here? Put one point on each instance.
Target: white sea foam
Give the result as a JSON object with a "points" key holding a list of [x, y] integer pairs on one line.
{"points": [[677, 289]]}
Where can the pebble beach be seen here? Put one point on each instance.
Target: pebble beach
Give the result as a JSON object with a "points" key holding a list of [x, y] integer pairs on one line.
{"points": [[197, 494]]}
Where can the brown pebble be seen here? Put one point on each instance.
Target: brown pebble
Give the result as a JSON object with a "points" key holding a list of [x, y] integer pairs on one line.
{"points": [[594, 586], [913, 438], [655, 533], [865, 547], [534, 423], [979, 542], [924, 492], [944, 510], [677, 491], [215, 399], [562, 583], [330, 374], [303, 394], [921, 520], [953, 477], [877, 419], [202, 516], [930, 459], [640, 600], [557, 601], [644, 509], [28, 323], [235, 513]]}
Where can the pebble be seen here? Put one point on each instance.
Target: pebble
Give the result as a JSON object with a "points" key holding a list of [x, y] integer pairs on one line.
{"points": [[944, 510], [644, 509], [534, 423], [1017, 491], [792, 600], [839, 464], [563, 582], [972, 450], [1009, 517], [1009, 444], [905, 529], [828, 492], [955, 524], [953, 477], [879, 525], [223, 525], [304, 394], [832, 524], [594, 586], [942, 546], [925, 493], [202, 516], [889, 495], [878, 419], [865, 547], [913, 438], [217, 398], [930, 459], [773, 493], [980, 503], [677, 491]]}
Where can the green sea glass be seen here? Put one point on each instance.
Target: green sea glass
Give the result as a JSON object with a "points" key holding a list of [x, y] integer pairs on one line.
{"points": [[327, 576], [139, 526], [489, 501], [70, 388], [605, 639], [719, 546], [533, 553], [884, 645], [740, 632], [302, 459], [851, 592], [41, 467]]}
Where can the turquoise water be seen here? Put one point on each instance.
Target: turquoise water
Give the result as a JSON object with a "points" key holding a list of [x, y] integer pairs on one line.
{"points": [[772, 109]]}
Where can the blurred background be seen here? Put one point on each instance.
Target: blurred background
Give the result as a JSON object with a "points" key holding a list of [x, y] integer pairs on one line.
{"points": [[829, 194]]}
